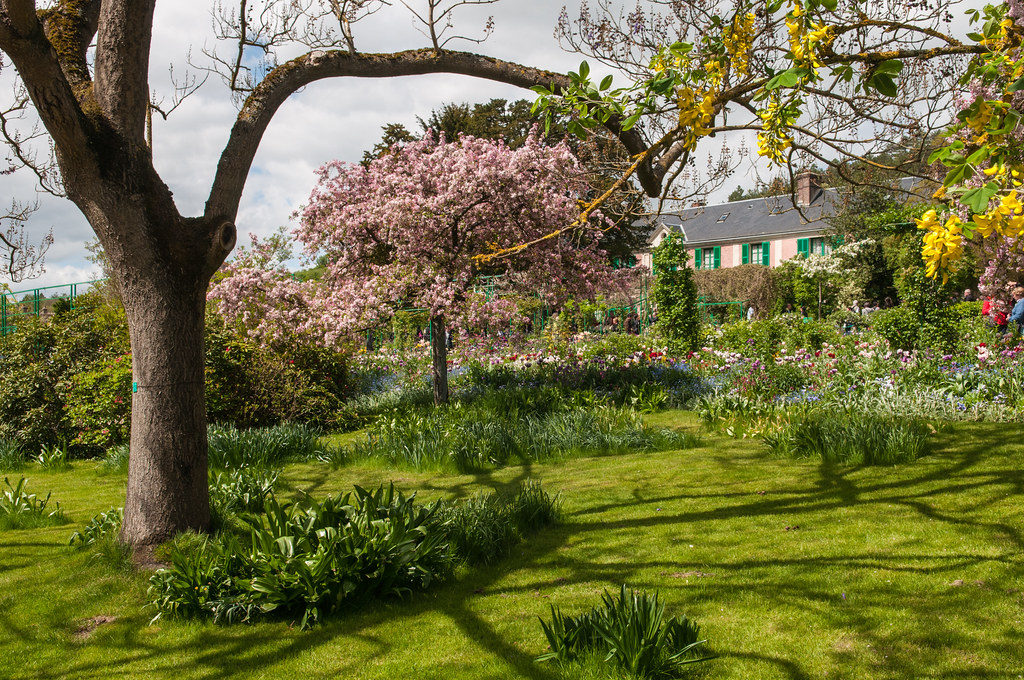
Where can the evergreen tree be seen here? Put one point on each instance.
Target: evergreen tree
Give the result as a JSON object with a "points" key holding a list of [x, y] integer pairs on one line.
{"points": [[675, 294]]}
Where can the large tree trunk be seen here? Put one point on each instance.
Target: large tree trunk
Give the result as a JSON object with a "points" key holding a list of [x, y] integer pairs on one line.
{"points": [[168, 490], [439, 354]]}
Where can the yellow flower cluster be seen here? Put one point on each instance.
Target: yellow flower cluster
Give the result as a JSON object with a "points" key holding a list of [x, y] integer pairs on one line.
{"points": [[1007, 219], [806, 37], [774, 138], [943, 244], [738, 39], [696, 112]]}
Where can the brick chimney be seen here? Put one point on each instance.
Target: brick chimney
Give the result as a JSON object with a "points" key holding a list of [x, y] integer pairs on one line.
{"points": [[808, 186]]}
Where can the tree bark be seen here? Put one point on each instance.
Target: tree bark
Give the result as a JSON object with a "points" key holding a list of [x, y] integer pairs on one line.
{"points": [[168, 490], [439, 354]]}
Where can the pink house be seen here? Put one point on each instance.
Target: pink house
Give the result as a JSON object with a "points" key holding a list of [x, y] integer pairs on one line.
{"points": [[767, 230]]}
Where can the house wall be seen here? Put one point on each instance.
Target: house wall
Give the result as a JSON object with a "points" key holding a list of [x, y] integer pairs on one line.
{"points": [[732, 253]]}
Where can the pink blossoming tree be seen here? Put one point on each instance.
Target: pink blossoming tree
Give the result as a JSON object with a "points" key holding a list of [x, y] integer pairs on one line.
{"points": [[407, 230]]}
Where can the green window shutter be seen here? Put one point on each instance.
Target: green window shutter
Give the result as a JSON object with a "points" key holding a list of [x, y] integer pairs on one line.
{"points": [[840, 240], [766, 260], [803, 246], [718, 257], [696, 258], [746, 253]]}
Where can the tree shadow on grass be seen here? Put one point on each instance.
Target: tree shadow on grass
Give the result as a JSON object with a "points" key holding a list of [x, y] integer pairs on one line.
{"points": [[557, 552]]}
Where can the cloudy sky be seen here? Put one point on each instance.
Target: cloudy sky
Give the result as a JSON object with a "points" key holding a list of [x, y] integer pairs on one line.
{"points": [[330, 119], [333, 119]]}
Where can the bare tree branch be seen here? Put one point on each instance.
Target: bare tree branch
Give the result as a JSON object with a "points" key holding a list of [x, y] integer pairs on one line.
{"points": [[19, 259]]}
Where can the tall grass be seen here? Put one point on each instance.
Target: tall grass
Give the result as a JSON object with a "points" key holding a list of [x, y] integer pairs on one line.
{"points": [[849, 437], [12, 457], [261, 447], [488, 433], [485, 528]]}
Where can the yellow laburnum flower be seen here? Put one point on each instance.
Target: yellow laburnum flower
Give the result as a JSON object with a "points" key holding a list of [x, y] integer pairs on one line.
{"points": [[1010, 205], [1014, 227], [981, 118], [988, 223], [943, 244]]}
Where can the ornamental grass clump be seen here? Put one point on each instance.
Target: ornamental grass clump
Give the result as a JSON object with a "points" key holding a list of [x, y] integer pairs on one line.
{"points": [[474, 437], [848, 437], [261, 447], [12, 456], [484, 528], [630, 630], [20, 509]]}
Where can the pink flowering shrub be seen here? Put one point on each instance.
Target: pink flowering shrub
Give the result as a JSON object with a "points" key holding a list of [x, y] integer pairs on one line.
{"points": [[407, 230]]}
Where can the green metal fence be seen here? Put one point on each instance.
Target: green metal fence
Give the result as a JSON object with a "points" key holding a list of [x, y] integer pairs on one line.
{"points": [[16, 305]]}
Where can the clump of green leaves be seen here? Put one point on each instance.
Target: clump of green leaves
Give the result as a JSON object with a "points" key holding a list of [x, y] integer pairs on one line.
{"points": [[484, 529], [20, 509], [851, 437], [116, 459], [101, 527], [630, 630], [265, 447], [54, 458], [12, 456], [307, 559]]}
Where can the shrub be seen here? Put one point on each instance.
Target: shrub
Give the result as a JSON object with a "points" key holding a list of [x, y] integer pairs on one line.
{"points": [[22, 510], [99, 403], [250, 385], [631, 630], [307, 560], [37, 366], [675, 294]]}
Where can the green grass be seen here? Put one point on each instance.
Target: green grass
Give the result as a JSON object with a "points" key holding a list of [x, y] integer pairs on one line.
{"points": [[759, 551]]}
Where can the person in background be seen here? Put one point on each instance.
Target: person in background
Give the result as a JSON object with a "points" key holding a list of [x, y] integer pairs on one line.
{"points": [[751, 314], [855, 307], [968, 295], [887, 303], [1017, 313]]}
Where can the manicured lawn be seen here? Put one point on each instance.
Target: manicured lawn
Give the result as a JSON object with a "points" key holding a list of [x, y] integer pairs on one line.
{"points": [[793, 569]]}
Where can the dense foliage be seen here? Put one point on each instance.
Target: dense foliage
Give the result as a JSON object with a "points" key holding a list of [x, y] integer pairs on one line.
{"points": [[675, 294], [308, 559]]}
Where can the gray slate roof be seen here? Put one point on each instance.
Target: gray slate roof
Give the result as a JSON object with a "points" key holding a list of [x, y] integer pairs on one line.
{"points": [[756, 219]]}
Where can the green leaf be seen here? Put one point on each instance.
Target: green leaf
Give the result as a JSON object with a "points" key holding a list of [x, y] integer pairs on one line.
{"points": [[830, 5], [979, 155], [977, 199], [891, 67], [631, 121], [607, 82], [584, 70], [958, 174], [787, 78], [884, 84], [1016, 85]]}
